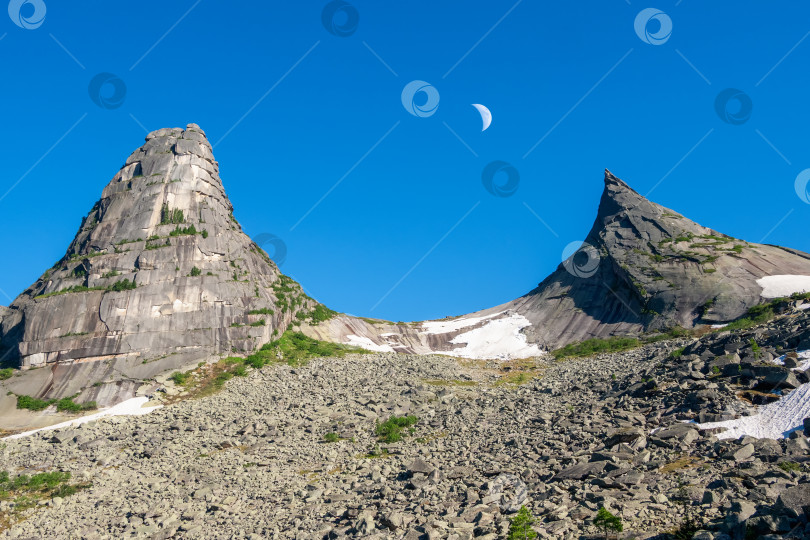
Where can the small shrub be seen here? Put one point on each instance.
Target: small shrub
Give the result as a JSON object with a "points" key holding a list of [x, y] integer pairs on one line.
{"points": [[123, 285], [169, 216], [240, 371], [180, 378], [790, 466], [321, 313], [391, 430], [190, 230], [205, 233], [331, 437], [33, 404], [755, 348], [262, 311], [68, 405], [195, 271], [677, 353], [520, 528], [260, 322], [111, 273], [715, 370], [608, 522]]}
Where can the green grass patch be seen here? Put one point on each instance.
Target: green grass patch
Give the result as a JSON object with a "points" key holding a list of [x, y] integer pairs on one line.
{"points": [[26, 492], [6, 373], [594, 346], [262, 311], [260, 322], [295, 349], [331, 437]]}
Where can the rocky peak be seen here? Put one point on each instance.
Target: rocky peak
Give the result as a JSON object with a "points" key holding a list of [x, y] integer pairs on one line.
{"points": [[159, 275]]}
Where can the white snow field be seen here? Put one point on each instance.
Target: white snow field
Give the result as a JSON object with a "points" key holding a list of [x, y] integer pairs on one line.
{"points": [[785, 285], [774, 420], [445, 327], [130, 407], [366, 343], [499, 338]]}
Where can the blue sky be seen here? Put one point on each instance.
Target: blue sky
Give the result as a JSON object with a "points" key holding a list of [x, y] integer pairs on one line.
{"points": [[410, 232]]}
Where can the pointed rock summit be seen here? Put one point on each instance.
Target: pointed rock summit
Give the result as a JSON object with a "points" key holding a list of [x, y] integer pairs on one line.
{"points": [[642, 267], [159, 275]]}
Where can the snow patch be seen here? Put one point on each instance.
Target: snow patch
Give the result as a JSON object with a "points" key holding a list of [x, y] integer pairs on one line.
{"points": [[803, 355], [366, 343], [785, 285], [716, 326], [500, 338], [774, 420], [130, 407], [454, 325]]}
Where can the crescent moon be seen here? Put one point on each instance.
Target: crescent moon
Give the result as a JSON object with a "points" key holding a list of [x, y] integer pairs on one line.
{"points": [[486, 116]]}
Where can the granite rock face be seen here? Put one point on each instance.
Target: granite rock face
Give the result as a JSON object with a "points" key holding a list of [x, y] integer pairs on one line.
{"points": [[159, 275], [654, 269]]}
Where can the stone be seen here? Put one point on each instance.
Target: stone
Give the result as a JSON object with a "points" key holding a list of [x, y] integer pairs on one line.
{"points": [[580, 471], [741, 453], [419, 465], [795, 500]]}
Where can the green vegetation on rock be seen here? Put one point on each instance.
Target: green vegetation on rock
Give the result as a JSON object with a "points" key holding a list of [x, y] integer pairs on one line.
{"points": [[392, 430], [294, 348], [169, 216], [593, 346]]}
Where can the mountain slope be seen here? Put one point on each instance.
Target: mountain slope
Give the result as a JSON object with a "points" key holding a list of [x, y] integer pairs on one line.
{"points": [[643, 267], [159, 275]]}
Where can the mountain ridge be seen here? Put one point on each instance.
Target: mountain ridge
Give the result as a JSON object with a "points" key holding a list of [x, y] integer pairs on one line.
{"points": [[160, 277], [642, 267]]}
